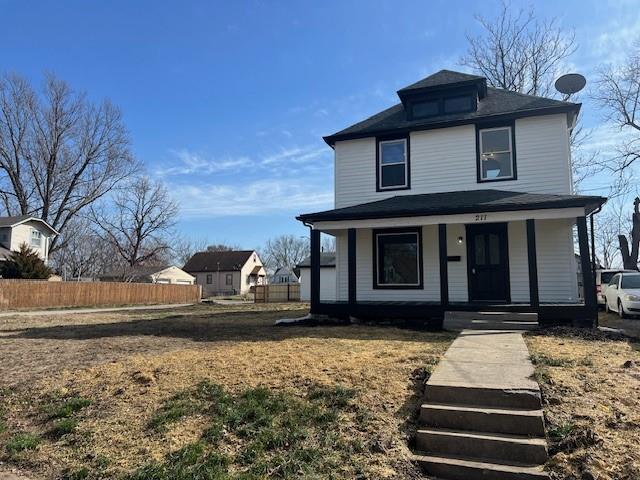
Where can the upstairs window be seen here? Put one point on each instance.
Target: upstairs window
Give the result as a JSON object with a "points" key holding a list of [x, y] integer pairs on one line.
{"points": [[393, 172], [36, 239], [496, 154]]}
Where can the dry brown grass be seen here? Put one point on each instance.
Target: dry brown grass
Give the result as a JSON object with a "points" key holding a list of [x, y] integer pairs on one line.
{"points": [[592, 402], [128, 364]]}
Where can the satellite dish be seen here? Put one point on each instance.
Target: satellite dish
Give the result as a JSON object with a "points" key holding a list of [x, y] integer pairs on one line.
{"points": [[570, 83]]}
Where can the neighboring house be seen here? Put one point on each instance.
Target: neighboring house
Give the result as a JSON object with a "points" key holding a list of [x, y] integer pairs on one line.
{"points": [[226, 273], [150, 274], [284, 275], [457, 198], [327, 277], [36, 233]]}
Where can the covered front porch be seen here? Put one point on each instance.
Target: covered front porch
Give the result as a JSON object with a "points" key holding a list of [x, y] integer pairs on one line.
{"points": [[504, 257]]}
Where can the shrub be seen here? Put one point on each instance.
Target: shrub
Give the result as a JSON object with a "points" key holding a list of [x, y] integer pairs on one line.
{"points": [[25, 263]]}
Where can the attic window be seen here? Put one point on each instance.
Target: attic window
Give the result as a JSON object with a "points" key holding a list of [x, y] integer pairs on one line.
{"points": [[458, 104], [36, 239], [425, 109]]}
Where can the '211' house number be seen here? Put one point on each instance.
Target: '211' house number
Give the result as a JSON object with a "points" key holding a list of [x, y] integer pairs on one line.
{"points": [[481, 217]]}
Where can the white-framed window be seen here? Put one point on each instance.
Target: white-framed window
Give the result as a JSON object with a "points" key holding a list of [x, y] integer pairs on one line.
{"points": [[229, 279], [496, 154], [393, 171], [36, 238], [398, 258]]}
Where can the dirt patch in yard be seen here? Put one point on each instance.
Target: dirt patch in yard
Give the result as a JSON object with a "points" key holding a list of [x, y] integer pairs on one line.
{"points": [[590, 384], [109, 377]]}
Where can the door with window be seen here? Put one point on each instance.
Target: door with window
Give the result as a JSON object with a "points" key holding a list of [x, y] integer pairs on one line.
{"points": [[488, 263]]}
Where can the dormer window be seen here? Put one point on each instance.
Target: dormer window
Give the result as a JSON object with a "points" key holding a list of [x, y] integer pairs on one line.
{"points": [[496, 154], [458, 104], [427, 108], [393, 164], [36, 239]]}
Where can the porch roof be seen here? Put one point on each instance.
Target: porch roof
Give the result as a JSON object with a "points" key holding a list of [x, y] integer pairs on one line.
{"points": [[452, 203]]}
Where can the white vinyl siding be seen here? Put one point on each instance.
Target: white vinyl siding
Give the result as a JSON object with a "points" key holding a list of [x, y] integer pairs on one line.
{"points": [[557, 279], [342, 265], [445, 160], [457, 271], [327, 284]]}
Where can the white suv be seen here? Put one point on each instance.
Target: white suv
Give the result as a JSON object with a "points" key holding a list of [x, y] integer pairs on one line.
{"points": [[603, 277]]}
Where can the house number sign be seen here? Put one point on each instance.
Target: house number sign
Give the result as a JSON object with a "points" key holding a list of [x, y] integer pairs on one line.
{"points": [[481, 217]]}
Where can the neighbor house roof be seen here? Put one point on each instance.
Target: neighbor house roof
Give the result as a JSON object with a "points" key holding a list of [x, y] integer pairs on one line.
{"points": [[327, 259], [214, 261], [15, 220], [498, 104], [140, 271], [451, 203]]}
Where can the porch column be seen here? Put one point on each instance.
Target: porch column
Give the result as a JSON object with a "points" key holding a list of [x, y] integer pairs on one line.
{"points": [[314, 284], [351, 267], [588, 286], [532, 256], [444, 269]]}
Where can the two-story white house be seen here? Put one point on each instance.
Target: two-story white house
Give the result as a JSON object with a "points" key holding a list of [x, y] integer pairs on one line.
{"points": [[457, 198], [25, 229]]}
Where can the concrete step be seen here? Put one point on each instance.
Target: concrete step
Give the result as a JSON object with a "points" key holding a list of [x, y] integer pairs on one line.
{"points": [[452, 468], [483, 419], [525, 399], [492, 447]]}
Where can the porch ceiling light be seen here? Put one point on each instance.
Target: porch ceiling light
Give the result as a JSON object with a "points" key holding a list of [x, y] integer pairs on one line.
{"points": [[460, 240]]}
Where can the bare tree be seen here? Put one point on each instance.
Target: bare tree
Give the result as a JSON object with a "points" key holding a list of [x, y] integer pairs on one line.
{"points": [[139, 221], [609, 225], [630, 244], [618, 92], [59, 152], [222, 247], [183, 248], [285, 251], [328, 243], [518, 52]]}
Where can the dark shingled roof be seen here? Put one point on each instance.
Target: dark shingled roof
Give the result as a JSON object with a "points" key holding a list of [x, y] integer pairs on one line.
{"points": [[327, 259], [451, 203], [442, 78], [208, 261], [497, 104], [10, 221]]}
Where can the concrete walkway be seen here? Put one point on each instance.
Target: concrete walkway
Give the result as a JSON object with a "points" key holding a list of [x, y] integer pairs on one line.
{"points": [[482, 413], [70, 311]]}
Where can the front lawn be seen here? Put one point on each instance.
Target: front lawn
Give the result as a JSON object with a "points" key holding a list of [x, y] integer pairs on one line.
{"points": [[590, 383], [211, 392]]}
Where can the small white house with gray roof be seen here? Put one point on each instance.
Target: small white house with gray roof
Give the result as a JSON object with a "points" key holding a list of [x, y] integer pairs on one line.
{"points": [[25, 229]]}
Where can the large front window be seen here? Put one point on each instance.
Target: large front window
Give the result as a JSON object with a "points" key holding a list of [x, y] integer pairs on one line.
{"points": [[393, 164], [397, 259], [496, 154]]}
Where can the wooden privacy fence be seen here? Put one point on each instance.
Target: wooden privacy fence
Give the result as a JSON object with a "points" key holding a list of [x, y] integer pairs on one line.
{"points": [[42, 294], [277, 292]]}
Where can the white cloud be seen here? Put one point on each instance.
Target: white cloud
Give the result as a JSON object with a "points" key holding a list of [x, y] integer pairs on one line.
{"points": [[294, 155], [191, 163], [252, 198]]}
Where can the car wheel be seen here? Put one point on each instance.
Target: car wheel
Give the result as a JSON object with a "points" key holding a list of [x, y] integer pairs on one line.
{"points": [[621, 313]]}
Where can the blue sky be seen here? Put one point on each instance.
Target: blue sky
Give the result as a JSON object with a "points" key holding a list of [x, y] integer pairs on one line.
{"points": [[227, 101]]}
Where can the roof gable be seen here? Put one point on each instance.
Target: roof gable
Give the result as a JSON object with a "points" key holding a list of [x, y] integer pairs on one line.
{"points": [[13, 221], [218, 261]]}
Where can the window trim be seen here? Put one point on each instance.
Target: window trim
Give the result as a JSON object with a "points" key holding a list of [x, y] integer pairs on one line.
{"points": [[480, 127], [226, 279], [397, 231], [39, 235], [407, 163]]}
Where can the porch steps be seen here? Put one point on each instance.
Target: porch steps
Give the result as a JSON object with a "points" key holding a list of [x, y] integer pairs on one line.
{"points": [[490, 320], [482, 413]]}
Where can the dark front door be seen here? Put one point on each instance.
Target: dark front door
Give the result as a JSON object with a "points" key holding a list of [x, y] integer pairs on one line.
{"points": [[488, 262]]}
